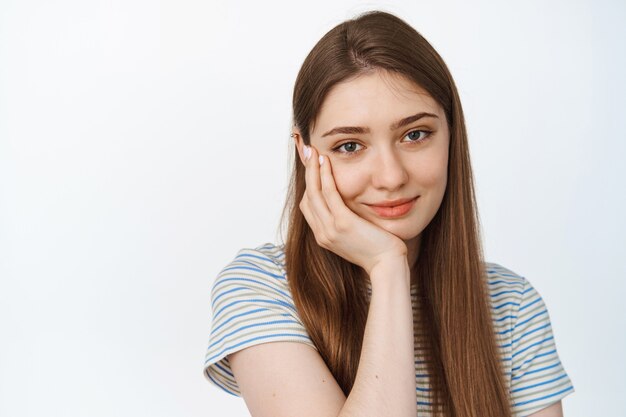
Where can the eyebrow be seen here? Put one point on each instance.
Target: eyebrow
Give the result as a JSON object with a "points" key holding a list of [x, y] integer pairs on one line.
{"points": [[394, 126]]}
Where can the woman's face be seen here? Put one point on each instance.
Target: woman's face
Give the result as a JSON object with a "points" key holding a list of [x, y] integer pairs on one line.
{"points": [[375, 131]]}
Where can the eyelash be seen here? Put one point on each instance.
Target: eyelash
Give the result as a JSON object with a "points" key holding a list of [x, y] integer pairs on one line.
{"points": [[414, 142]]}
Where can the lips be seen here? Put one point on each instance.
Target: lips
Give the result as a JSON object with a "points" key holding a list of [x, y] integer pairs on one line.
{"points": [[394, 208], [392, 203]]}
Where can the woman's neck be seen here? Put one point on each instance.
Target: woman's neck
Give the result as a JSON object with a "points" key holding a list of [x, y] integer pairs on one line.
{"points": [[413, 247]]}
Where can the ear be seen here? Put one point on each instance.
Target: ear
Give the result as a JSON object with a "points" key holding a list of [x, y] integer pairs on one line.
{"points": [[297, 138]]}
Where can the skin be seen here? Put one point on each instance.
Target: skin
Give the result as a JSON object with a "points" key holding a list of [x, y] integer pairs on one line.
{"points": [[373, 167], [555, 410]]}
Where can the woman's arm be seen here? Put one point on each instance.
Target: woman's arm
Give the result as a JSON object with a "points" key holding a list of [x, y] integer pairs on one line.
{"points": [[385, 380], [555, 410], [285, 379]]}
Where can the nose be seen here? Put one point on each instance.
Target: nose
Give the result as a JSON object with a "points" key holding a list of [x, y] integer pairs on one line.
{"points": [[388, 170]]}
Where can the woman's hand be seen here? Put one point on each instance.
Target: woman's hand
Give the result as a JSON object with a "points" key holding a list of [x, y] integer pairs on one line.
{"points": [[339, 229]]}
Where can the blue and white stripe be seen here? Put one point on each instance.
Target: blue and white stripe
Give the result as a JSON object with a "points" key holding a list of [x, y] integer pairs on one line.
{"points": [[251, 304]]}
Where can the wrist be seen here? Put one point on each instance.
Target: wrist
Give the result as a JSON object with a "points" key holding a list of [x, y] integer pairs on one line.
{"points": [[391, 270]]}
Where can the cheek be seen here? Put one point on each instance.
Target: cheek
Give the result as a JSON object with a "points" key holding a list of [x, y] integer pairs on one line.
{"points": [[430, 175], [432, 171], [350, 181]]}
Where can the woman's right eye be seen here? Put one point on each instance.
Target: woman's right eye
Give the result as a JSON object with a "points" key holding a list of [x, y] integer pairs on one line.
{"points": [[349, 148]]}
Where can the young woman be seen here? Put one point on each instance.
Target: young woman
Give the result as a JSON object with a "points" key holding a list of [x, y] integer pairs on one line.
{"points": [[379, 302]]}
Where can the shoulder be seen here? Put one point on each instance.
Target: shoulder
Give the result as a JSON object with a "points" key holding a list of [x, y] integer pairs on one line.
{"points": [[266, 259], [258, 269], [498, 272], [255, 277], [512, 292], [514, 300], [506, 288]]}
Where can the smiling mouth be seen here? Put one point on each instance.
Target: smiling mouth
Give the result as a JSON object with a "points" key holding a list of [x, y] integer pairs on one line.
{"points": [[393, 203], [393, 211]]}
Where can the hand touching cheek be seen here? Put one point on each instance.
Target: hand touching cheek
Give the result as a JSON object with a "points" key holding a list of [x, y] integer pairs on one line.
{"points": [[336, 227]]}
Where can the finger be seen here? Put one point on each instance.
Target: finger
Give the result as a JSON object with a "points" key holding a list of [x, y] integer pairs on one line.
{"points": [[317, 201], [333, 199], [311, 180], [311, 174]]}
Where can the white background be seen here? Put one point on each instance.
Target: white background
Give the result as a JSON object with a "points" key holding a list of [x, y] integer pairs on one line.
{"points": [[143, 143]]}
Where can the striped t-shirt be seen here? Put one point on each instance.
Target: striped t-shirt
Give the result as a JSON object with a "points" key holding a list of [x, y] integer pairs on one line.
{"points": [[252, 304]]}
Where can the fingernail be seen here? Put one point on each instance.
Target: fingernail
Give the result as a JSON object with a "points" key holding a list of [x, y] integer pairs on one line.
{"points": [[321, 158], [307, 153]]}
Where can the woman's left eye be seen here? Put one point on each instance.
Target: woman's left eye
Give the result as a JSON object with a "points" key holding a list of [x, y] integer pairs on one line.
{"points": [[413, 133]]}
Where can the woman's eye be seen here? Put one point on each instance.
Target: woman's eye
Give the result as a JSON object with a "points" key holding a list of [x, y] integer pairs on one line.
{"points": [[348, 148], [414, 134]]}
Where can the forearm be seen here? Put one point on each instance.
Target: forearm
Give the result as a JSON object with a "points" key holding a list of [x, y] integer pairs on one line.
{"points": [[385, 379]]}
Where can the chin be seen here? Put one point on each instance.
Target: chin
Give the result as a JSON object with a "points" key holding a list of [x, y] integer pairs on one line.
{"points": [[405, 236], [401, 230]]}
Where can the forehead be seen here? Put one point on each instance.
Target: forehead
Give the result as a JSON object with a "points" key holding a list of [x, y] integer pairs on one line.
{"points": [[377, 98]]}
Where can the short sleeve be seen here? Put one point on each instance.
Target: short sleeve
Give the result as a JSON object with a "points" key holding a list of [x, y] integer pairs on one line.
{"points": [[251, 304], [538, 378]]}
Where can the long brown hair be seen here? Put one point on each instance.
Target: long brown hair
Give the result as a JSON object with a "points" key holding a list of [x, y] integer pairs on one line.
{"points": [[330, 293]]}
